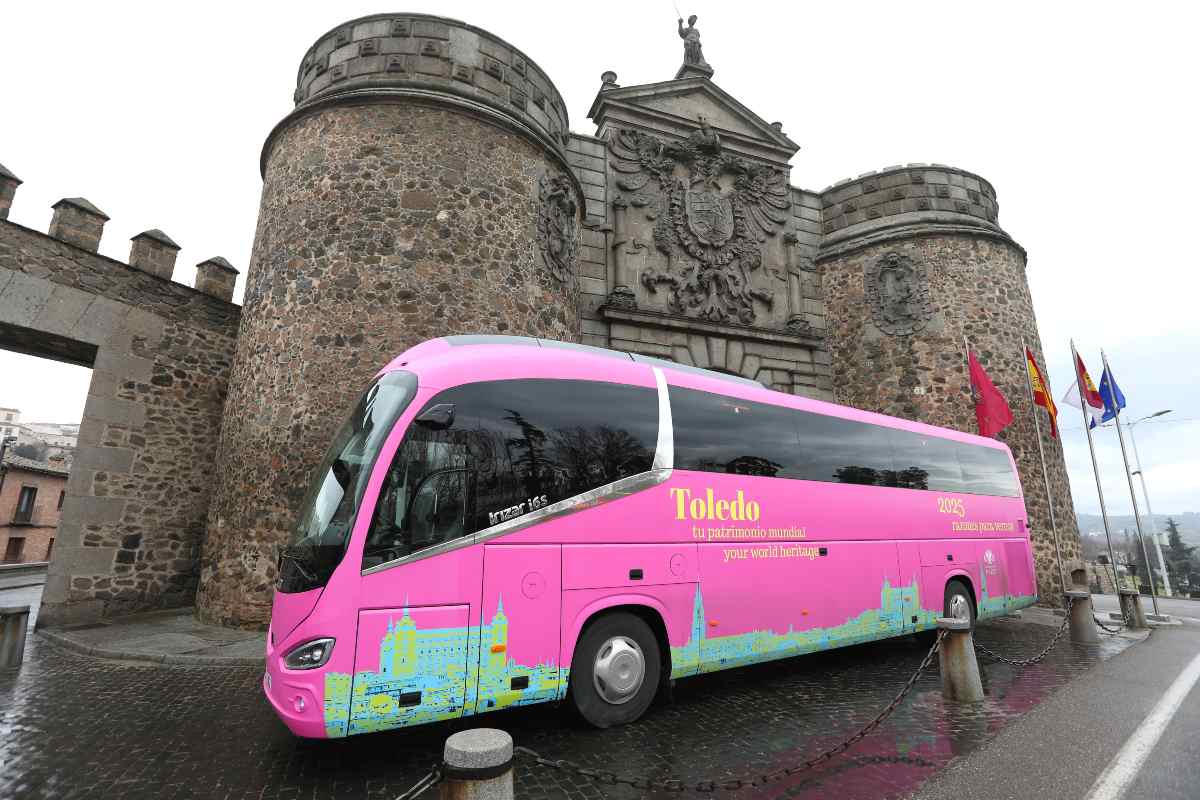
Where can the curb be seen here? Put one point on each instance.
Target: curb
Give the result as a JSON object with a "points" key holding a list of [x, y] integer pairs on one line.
{"points": [[177, 659]]}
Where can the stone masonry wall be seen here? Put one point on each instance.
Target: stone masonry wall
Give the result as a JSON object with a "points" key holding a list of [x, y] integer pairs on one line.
{"points": [[380, 226], [129, 537], [977, 288]]}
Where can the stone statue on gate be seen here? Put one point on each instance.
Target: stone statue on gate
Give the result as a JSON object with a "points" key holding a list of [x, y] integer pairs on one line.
{"points": [[692, 57]]}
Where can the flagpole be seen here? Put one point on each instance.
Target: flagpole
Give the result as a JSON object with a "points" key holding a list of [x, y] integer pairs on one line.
{"points": [[1137, 517], [1087, 427], [1037, 426]]}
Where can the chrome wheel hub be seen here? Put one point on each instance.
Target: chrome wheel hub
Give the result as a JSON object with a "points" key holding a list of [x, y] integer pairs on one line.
{"points": [[619, 670], [960, 607]]}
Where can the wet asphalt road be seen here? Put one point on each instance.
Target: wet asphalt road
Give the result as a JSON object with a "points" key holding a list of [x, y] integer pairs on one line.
{"points": [[71, 727], [1060, 748]]}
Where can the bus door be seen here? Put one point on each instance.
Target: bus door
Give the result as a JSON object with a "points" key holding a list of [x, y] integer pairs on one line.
{"points": [[416, 629], [519, 631]]}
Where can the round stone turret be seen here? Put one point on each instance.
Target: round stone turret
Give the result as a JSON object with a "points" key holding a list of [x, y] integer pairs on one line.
{"points": [[912, 262], [419, 189]]}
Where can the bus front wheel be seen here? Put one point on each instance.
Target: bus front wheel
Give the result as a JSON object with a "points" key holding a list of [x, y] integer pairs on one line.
{"points": [[615, 671]]}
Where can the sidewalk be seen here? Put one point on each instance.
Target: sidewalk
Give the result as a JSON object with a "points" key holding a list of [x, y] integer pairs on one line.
{"points": [[163, 637]]}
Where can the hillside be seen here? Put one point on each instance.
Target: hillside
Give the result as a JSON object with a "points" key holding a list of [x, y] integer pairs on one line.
{"points": [[1188, 521]]}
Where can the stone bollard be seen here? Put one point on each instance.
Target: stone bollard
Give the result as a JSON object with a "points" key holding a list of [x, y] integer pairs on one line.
{"points": [[956, 661], [13, 622], [1131, 609], [1083, 624], [477, 765]]}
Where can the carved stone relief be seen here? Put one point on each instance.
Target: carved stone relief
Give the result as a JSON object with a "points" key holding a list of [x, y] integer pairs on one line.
{"points": [[897, 292], [557, 227], [712, 212]]}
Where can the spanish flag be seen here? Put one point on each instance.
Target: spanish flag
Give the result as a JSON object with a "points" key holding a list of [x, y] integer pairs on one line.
{"points": [[1041, 394]]}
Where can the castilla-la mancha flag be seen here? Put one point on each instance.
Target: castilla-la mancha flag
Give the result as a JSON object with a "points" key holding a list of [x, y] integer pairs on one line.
{"points": [[991, 409], [1092, 403], [1041, 394]]}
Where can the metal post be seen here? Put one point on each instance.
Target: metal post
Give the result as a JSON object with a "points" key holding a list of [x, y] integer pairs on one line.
{"points": [[14, 621], [1083, 624], [1137, 517], [477, 765], [1087, 427], [1037, 426], [1162, 564], [956, 661], [1149, 571]]}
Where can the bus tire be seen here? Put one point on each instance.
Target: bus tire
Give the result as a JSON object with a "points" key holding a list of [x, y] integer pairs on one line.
{"points": [[615, 670], [958, 603]]}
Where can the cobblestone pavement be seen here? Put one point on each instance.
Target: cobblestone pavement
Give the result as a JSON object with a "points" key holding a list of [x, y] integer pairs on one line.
{"points": [[72, 726]]}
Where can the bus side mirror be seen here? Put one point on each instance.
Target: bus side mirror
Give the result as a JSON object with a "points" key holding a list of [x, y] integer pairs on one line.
{"points": [[437, 418]]}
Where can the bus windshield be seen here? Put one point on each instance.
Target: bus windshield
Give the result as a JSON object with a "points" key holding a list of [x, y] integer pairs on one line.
{"points": [[330, 506]]}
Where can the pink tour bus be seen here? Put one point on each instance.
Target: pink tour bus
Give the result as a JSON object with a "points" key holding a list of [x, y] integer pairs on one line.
{"points": [[506, 520]]}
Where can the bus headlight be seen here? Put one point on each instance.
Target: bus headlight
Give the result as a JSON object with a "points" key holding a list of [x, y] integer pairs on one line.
{"points": [[309, 655]]}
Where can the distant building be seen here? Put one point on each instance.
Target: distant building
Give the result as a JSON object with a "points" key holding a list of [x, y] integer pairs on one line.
{"points": [[31, 500], [53, 434], [10, 421]]}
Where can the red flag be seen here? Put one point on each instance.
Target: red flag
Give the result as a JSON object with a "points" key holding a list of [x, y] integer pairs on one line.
{"points": [[991, 409], [1041, 392]]}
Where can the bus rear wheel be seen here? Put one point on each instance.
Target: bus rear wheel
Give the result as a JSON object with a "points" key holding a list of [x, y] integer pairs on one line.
{"points": [[615, 671], [958, 603]]}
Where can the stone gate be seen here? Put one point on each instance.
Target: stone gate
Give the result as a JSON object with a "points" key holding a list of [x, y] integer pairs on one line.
{"points": [[428, 183], [133, 516]]}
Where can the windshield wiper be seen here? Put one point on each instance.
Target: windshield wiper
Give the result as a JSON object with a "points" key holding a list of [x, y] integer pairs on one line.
{"points": [[285, 554]]}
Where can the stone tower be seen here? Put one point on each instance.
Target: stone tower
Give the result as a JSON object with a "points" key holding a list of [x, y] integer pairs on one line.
{"points": [[912, 263], [420, 188]]}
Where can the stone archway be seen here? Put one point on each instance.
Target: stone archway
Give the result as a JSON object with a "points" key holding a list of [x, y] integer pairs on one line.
{"points": [[133, 516]]}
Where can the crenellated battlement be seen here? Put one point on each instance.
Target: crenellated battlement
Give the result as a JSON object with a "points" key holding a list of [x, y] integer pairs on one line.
{"points": [[78, 222], [906, 199]]}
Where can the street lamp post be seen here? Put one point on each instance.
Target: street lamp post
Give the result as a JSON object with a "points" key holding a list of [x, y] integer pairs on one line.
{"points": [[1142, 477]]}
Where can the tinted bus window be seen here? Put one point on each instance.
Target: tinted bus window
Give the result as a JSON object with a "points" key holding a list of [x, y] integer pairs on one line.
{"points": [[714, 433], [925, 462], [513, 447], [842, 451], [987, 471]]}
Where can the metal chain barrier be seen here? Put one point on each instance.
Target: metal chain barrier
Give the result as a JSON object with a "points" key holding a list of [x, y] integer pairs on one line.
{"points": [[732, 784], [428, 782], [1024, 662]]}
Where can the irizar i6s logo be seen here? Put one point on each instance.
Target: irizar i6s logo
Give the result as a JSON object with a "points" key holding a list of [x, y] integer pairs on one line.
{"points": [[708, 507], [524, 507]]}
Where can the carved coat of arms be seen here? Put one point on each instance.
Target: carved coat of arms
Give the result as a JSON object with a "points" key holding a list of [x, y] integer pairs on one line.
{"points": [[557, 228], [713, 211], [709, 216], [898, 293]]}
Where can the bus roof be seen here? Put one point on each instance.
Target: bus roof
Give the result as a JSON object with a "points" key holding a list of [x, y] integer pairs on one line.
{"points": [[684, 375]]}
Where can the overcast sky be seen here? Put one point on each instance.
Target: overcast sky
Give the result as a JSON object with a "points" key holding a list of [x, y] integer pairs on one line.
{"points": [[1083, 116]]}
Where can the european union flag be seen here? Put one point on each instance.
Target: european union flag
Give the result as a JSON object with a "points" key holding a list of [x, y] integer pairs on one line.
{"points": [[1111, 396]]}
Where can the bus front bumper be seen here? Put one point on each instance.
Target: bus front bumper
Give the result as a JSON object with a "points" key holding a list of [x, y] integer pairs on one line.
{"points": [[295, 697]]}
